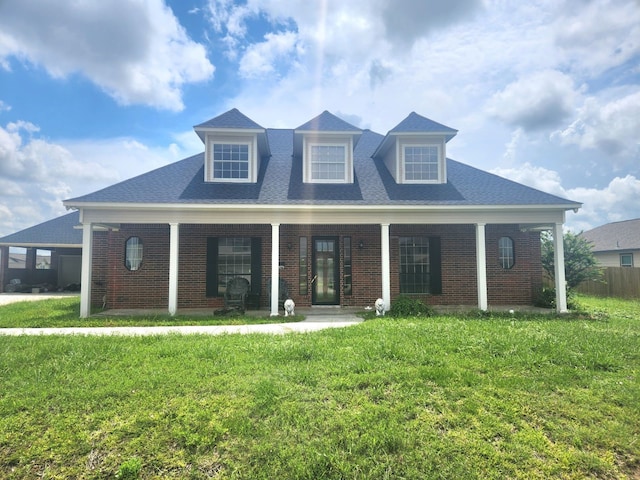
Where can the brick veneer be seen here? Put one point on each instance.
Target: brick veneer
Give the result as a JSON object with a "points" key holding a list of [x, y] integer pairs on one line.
{"points": [[148, 286]]}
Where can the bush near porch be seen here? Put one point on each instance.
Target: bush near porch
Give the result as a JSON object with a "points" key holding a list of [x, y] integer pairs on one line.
{"points": [[491, 396]]}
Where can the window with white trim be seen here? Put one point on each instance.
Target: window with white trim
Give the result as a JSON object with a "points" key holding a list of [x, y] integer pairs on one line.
{"points": [[328, 163], [133, 253], [421, 163], [506, 256], [230, 161], [626, 259]]}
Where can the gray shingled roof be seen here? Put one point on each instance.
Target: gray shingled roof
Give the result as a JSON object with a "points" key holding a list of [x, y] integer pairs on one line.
{"points": [[280, 182], [414, 123], [418, 123], [57, 232], [234, 118], [615, 236], [327, 122]]}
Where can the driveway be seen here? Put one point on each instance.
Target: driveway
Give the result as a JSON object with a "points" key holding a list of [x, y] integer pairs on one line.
{"points": [[6, 298]]}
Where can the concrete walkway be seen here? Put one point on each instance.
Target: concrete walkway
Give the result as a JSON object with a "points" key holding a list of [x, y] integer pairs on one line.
{"points": [[308, 325], [314, 321]]}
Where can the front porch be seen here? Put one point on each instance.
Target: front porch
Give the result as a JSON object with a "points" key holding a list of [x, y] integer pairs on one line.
{"points": [[186, 266]]}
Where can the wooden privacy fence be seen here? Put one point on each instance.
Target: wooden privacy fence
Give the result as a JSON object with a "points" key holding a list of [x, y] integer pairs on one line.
{"points": [[622, 282]]}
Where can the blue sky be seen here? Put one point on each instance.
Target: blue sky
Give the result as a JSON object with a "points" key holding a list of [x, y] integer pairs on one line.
{"points": [[545, 92]]}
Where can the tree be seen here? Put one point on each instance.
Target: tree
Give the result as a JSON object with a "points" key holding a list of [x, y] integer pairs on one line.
{"points": [[580, 263]]}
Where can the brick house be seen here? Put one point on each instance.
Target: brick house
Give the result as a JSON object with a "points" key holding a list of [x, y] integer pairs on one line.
{"points": [[342, 215]]}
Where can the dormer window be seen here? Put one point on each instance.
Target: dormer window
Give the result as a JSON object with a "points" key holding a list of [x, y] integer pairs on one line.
{"points": [[230, 161], [328, 163], [234, 146], [421, 163], [231, 158], [415, 151], [324, 145], [327, 159]]}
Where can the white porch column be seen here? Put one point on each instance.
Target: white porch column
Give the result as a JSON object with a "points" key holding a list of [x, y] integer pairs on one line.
{"points": [[85, 282], [275, 267], [174, 242], [481, 266], [558, 262], [386, 265]]}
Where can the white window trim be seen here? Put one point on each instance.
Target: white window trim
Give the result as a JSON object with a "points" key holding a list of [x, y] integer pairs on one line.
{"points": [[347, 144], [403, 174], [252, 174]]}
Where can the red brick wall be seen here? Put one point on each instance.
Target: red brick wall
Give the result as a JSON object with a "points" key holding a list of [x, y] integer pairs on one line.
{"points": [[148, 286], [519, 284]]}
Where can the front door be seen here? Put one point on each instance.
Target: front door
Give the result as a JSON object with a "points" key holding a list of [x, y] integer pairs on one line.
{"points": [[325, 284]]}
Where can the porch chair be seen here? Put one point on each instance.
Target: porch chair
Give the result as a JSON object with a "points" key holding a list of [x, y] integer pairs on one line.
{"points": [[283, 292], [236, 294]]}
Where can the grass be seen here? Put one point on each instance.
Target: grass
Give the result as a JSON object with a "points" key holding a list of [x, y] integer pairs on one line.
{"points": [[65, 312], [443, 397]]}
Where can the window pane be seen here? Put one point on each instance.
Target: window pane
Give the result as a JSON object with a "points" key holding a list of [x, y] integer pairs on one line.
{"points": [[626, 260], [415, 267], [347, 267], [43, 259], [230, 160], [505, 252], [421, 162], [17, 257], [133, 253], [303, 267], [327, 162], [234, 260]]}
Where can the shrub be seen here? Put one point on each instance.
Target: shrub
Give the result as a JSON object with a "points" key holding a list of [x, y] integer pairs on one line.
{"points": [[404, 306], [547, 299]]}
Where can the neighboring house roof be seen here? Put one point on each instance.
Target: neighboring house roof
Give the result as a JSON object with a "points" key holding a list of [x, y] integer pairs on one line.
{"points": [[623, 235], [59, 232], [280, 183]]}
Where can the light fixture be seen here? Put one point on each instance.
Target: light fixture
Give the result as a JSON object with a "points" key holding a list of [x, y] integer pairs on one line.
{"points": [[361, 244]]}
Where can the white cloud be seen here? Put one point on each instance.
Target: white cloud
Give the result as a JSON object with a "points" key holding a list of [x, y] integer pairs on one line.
{"points": [[4, 107], [406, 21], [137, 52], [36, 175], [536, 177], [616, 201], [260, 58], [541, 100], [599, 34], [610, 126]]}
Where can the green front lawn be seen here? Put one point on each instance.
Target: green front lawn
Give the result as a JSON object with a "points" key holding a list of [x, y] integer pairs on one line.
{"points": [[442, 397], [65, 312]]}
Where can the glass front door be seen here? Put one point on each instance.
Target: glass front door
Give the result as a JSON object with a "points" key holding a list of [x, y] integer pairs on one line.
{"points": [[325, 284]]}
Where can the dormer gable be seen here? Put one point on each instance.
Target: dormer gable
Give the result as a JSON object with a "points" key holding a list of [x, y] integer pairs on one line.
{"points": [[325, 147], [415, 150], [234, 146]]}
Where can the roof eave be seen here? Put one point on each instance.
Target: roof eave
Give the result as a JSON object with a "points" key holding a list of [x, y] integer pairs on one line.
{"points": [[314, 206]]}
